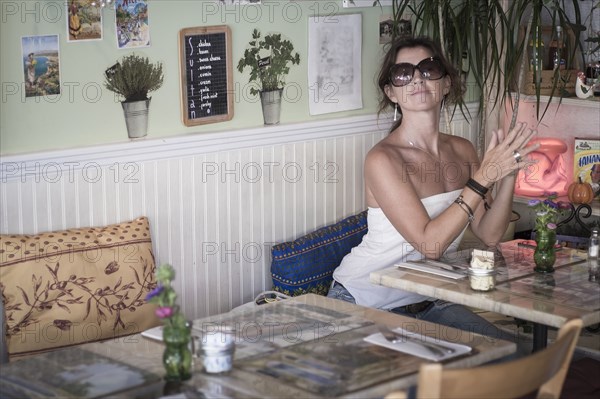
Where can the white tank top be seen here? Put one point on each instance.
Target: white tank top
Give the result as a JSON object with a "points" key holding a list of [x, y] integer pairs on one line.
{"points": [[383, 247]]}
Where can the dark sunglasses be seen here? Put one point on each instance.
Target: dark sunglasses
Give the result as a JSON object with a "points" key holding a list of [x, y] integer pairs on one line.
{"points": [[430, 68]]}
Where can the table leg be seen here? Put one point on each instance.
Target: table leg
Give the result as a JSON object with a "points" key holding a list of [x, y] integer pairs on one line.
{"points": [[540, 336]]}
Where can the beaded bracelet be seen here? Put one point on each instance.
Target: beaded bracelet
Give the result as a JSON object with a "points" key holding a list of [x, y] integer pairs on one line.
{"points": [[479, 190], [465, 207]]}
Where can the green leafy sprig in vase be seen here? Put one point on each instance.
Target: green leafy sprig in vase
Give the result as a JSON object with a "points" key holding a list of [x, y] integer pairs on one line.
{"points": [[177, 357], [546, 220]]}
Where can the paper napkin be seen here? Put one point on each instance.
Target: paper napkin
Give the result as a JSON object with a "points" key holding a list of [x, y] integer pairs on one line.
{"points": [[415, 349], [433, 270]]}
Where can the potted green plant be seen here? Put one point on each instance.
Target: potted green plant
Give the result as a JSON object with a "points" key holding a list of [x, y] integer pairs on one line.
{"points": [[132, 78], [269, 60]]}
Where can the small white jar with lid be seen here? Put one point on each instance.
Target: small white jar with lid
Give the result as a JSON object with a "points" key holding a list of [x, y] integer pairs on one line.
{"points": [[217, 349], [482, 279]]}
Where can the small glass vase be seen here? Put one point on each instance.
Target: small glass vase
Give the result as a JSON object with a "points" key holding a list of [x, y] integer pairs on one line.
{"points": [[177, 357], [544, 255]]}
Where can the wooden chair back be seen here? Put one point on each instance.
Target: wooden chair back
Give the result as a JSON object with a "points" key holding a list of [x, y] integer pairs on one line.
{"points": [[544, 371]]}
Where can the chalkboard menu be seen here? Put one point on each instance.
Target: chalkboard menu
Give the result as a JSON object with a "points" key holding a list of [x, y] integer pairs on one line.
{"points": [[206, 75]]}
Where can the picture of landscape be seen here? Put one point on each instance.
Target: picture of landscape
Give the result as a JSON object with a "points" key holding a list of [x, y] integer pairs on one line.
{"points": [[40, 57], [84, 21]]}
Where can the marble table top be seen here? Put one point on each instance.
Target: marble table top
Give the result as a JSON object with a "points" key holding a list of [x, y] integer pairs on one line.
{"points": [[549, 299], [320, 339], [317, 330]]}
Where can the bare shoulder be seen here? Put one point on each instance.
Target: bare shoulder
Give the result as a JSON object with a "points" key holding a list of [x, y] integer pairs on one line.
{"points": [[383, 153], [385, 175]]}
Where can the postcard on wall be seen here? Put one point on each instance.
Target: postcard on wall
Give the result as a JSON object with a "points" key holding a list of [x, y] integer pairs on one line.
{"points": [[587, 162], [386, 27], [133, 29], [40, 57], [238, 2], [365, 3], [84, 21], [334, 63]]}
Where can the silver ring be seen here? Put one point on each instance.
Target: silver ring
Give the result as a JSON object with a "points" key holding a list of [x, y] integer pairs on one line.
{"points": [[517, 156]]}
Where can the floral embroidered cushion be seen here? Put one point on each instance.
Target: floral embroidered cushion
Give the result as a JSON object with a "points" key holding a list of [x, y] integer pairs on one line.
{"points": [[64, 288]]}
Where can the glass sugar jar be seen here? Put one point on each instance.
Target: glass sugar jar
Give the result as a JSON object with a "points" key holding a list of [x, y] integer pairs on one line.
{"points": [[217, 349], [482, 279]]}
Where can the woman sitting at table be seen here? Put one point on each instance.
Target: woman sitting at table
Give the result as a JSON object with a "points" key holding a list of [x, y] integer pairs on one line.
{"points": [[424, 187]]}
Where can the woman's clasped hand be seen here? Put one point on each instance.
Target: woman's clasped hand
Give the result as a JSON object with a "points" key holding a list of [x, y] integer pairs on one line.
{"points": [[506, 154]]}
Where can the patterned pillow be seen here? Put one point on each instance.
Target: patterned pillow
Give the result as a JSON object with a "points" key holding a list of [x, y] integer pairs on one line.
{"points": [[307, 264], [63, 288]]}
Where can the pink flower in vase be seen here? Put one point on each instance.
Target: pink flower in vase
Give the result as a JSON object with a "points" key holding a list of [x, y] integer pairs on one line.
{"points": [[164, 312]]}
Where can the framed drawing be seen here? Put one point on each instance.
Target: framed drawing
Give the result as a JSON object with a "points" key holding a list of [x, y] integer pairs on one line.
{"points": [[41, 65], [206, 74], [334, 63], [84, 21]]}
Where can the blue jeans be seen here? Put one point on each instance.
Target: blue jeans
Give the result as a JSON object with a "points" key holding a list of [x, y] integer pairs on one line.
{"points": [[441, 312]]}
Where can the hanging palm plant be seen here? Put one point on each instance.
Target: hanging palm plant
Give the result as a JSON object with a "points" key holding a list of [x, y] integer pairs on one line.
{"points": [[486, 40], [470, 31]]}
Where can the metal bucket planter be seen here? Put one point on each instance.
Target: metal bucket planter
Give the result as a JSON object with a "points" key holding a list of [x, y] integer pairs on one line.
{"points": [[136, 117], [271, 106]]}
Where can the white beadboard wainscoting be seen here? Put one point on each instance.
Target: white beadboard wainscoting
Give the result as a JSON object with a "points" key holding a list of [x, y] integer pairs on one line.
{"points": [[216, 202]]}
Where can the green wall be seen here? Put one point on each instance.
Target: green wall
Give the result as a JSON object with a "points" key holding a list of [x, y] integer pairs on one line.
{"points": [[87, 114]]}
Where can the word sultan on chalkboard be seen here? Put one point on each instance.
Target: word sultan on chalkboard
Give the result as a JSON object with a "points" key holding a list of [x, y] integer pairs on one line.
{"points": [[206, 74]]}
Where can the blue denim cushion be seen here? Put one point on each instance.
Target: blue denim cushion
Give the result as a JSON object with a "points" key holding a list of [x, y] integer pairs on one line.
{"points": [[306, 264]]}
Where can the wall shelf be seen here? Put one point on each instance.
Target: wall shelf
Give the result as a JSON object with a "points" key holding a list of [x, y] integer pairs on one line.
{"points": [[595, 205], [590, 102]]}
